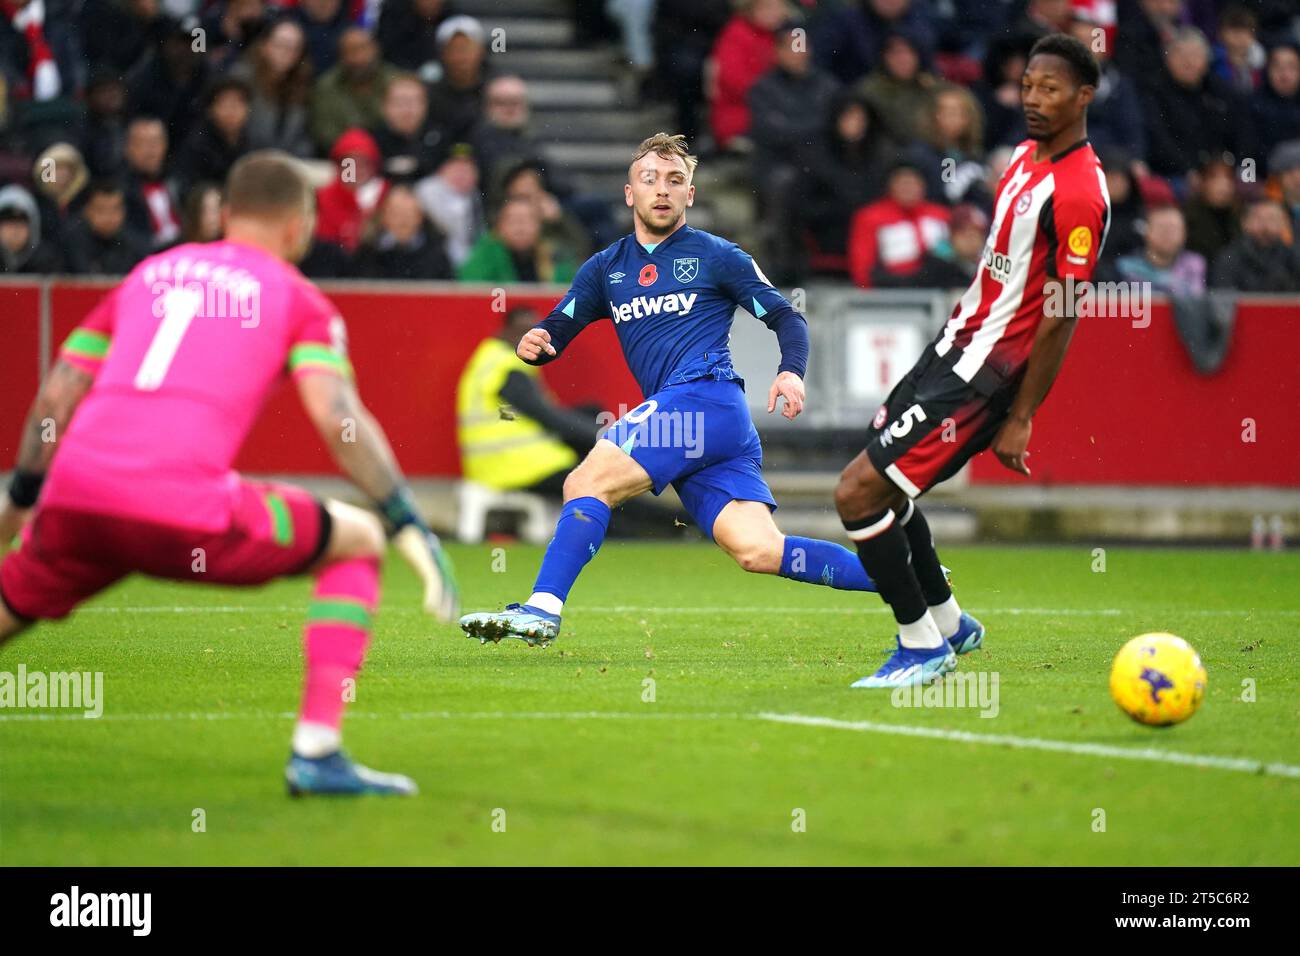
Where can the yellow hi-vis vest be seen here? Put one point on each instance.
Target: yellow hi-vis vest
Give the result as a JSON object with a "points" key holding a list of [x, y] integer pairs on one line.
{"points": [[502, 452]]}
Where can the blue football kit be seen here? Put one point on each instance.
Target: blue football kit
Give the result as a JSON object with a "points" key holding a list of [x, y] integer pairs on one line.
{"points": [[672, 304]]}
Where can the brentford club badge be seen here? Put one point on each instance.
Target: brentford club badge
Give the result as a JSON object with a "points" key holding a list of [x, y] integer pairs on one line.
{"points": [[1023, 203]]}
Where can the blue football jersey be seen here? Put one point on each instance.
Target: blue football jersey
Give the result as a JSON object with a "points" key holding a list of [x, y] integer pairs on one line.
{"points": [[672, 306]]}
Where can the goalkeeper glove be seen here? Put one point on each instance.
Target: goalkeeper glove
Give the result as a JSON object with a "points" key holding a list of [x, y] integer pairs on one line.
{"points": [[423, 551]]}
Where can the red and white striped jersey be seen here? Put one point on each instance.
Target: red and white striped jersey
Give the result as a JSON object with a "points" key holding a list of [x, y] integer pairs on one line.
{"points": [[1049, 222]]}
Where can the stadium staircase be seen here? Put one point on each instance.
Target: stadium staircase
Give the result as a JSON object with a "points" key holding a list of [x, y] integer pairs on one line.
{"points": [[585, 116]]}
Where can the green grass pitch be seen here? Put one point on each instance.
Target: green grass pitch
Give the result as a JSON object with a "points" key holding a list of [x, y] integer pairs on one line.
{"points": [[554, 756]]}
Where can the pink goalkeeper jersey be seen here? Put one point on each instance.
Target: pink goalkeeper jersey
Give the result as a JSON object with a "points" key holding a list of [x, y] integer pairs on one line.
{"points": [[185, 352]]}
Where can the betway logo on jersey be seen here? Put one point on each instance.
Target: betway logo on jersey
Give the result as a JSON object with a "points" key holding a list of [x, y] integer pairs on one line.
{"points": [[646, 305]]}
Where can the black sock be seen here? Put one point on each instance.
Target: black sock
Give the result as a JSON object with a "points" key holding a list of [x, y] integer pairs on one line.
{"points": [[925, 560], [884, 553]]}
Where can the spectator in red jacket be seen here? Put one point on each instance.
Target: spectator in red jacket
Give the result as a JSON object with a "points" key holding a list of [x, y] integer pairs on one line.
{"points": [[746, 49], [345, 205], [891, 236]]}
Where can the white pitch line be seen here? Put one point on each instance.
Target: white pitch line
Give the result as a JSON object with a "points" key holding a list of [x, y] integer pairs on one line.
{"points": [[642, 609], [1151, 754], [76, 715], [1148, 754]]}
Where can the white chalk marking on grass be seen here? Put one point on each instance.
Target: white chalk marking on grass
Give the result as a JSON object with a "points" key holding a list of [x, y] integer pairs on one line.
{"points": [[1151, 754], [300, 609], [378, 715]]}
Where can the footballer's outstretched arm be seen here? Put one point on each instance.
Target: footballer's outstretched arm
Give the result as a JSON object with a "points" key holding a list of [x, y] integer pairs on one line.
{"points": [[58, 397], [1051, 342], [583, 304], [362, 450]]}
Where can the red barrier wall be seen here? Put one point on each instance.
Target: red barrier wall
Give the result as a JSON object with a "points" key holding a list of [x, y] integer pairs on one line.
{"points": [[20, 349], [1128, 407], [408, 349]]}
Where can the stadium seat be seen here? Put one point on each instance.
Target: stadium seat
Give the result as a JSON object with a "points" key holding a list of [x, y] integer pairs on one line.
{"points": [[474, 502]]}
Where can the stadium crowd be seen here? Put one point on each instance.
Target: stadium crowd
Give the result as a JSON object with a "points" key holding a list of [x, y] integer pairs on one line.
{"points": [[874, 131]]}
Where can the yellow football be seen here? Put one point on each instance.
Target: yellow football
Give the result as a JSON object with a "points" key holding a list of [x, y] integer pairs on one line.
{"points": [[1157, 679]]}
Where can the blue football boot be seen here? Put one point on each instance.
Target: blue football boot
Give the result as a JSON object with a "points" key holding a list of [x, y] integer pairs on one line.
{"points": [[336, 775], [969, 636], [908, 666], [530, 624]]}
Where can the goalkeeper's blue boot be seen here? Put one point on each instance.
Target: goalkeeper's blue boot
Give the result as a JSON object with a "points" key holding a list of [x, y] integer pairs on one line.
{"points": [[908, 666], [530, 624], [336, 775], [969, 636]]}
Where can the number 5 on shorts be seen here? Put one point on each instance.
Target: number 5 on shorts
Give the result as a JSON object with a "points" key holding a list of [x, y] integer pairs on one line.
{"points": [[906, 421]]}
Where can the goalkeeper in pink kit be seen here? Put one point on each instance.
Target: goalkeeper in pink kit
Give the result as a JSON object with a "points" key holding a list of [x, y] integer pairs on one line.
{"points": [[149, 402]]}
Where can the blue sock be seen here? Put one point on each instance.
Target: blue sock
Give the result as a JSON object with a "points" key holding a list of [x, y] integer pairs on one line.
{"points": [[823, 562], [578, 536]]}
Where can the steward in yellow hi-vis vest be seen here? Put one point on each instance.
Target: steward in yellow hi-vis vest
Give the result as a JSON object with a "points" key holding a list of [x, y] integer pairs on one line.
{"points": [[517, 449]]}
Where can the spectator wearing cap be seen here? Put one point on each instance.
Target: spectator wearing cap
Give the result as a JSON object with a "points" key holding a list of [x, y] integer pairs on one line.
{"points": [[1276, 105], [788, 108], [1164, 260], [212, 147], [152, 205], [888, 239], [514, 250], [170, 82], [98, 240], [350, 94], [1115, 116], [345, 205], [1211, 207], [408, 31], [22, 250], [1189, 112], [279, 75], [851, 39], [405, 245], [456, 97], [744, 51], [899, 88], [409, 144], [1284, 167], [452, 201], [501, 138], [323, 23], [1262, 258]]}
